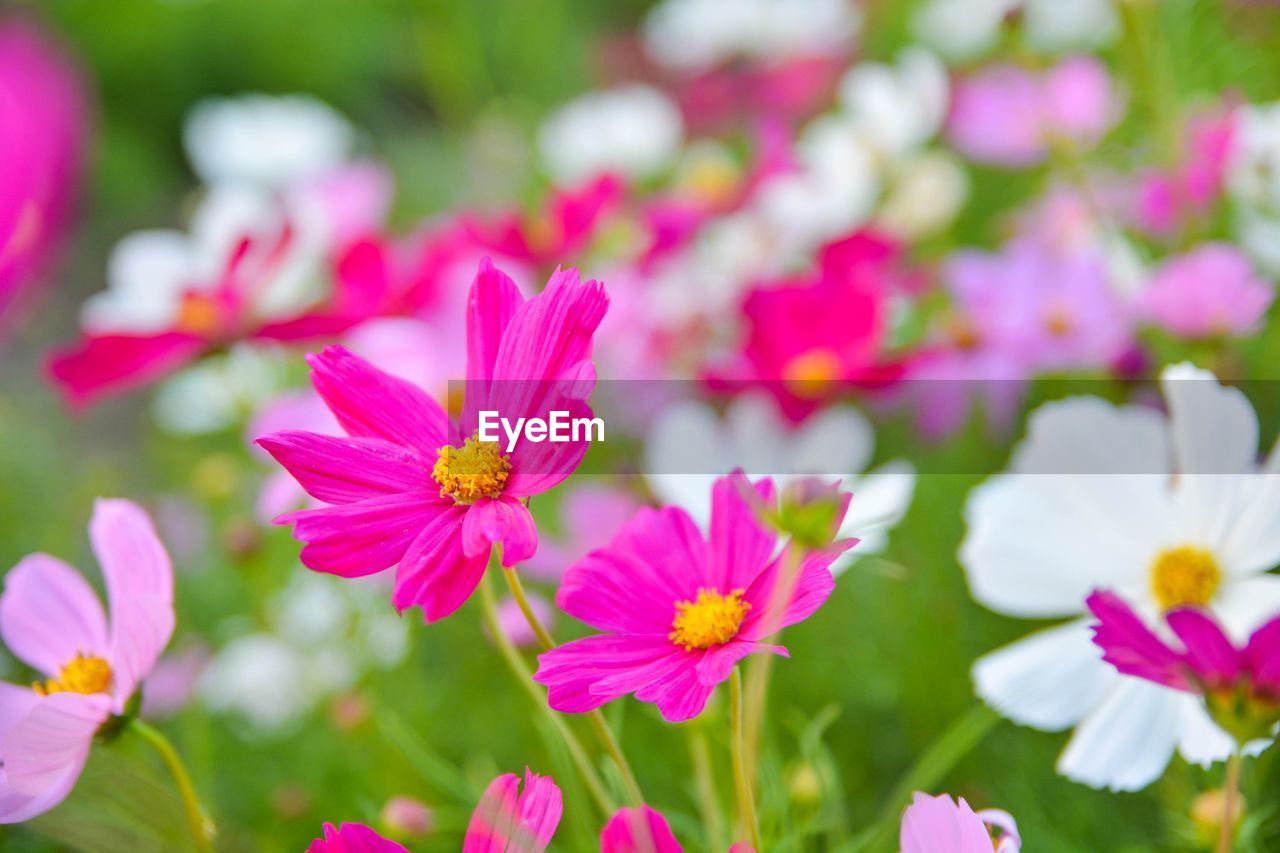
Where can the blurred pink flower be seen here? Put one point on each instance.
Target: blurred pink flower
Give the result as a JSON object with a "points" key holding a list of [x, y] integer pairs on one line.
{"points": [[515, 821], [353, 838], [1240, 684], [52, 620], [515, 626], [1211, 290], [787, 90], [571, 220], [942, 825], [721, 590], [171, 683], [1004, 115], [590, 516], [408, 816], [1166, 199], [43, 129], [390, 504]]}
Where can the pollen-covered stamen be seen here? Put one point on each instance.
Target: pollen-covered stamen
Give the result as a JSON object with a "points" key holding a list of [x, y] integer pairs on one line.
{"points": [[811, 374], [711, 620], [84, 674], [1184, 576], [473, 471]]}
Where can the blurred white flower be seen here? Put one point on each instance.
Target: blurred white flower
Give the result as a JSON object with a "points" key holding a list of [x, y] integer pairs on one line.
{"points": [[1165, 511], [925, 194], [220, 391], [1259, 235], [265, 139], [901, 106], [633, 131], [690, 445], [961, 29], [694, 35], [1253, 167]]}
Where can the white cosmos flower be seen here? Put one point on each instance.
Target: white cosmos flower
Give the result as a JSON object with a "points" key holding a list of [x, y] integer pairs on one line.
{"points": [[268, 140], [1163, 510], [1253, 167], [689, 436], [633, 131], [964, 28], [901, 106]]}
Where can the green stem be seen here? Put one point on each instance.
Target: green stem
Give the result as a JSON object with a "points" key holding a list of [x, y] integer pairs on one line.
{"points": [[746, 799], [1230, 794], [705, 785], [1150, 72], [521, 671], [197, 822], [760, 669], [598, 722]]}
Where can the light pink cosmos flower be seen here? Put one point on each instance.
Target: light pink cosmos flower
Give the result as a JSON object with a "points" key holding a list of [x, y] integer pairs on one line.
{"points": [[508, 820], [43, 118], [409, 488], [680, 610], [644, 830], [51, 619], [353, 838], [942, 825], [1240, 684], [1004, 115], [1211, 290]]}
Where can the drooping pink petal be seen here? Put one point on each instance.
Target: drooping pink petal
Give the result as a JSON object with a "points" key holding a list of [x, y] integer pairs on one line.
{"points": [[679, 696], [741, 543], [353, 838], [503, 521], [773, 607], [573, 671], [1209, 652], [656, 560], [361, 538], [1130, 646], [109, 364], [436, 573], [139, 581], [369, 403], [638, 830], [343, 470], [717, 663], [49, 614], [46, 749]]}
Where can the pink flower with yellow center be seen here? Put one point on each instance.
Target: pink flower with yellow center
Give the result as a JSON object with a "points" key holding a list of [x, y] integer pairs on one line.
{"points": [[678, 609], [51, 620], [408, 487]]}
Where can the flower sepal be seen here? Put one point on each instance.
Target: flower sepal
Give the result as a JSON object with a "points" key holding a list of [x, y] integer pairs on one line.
{"points": [[1242, 713], [117, 723]]}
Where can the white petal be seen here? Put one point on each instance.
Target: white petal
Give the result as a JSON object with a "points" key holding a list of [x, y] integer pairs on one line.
{"points": [[1086, 435], [1127, 742], [1243, 604], [1200, 741], [838, 440], [1250, 540], [147, 272], [1049, 680], [1215, 430]]}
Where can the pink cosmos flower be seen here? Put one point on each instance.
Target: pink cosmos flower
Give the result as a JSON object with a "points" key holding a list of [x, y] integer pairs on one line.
{"points": [[353, 838], [51, 619], [679, 610], [643, 830], [788, 90], [508, 820], [941, 825], [1004, 115], [565, 228], [409, 488], [1211, 290], [42, 132], [810, 339], [1240, 684]]}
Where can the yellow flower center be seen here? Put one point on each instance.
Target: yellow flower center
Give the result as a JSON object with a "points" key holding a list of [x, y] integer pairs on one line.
{"points": [[473, 471], [199, 314], [711, 620], [1185, 576], [84, 674], [811, 373]]}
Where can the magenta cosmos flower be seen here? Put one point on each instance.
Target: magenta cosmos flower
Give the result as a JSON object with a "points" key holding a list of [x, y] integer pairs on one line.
{"points": [[409, 488], [353, 838], [51, 619], [644, 830], [680, 610], [1240, 684], [942, 825], [508, 820]]}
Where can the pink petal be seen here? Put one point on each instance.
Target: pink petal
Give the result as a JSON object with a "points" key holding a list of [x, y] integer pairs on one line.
{"points": [[1208, 651], [493, 301], [1263, 656], [656, 560], [813, 584], [506, 823], [361, 538], [353, 838], [345, 470], [504, 521], [436, 573], [539, 466], [49, 614], [679, 697], [52, 742], [741, 543], [573, 671], [540, 809], [940, 825], [1130, 646], [15, 703], [638, 830], [109, 364], [717, 663], [494, 817], [372, 404], [139, 581]]}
